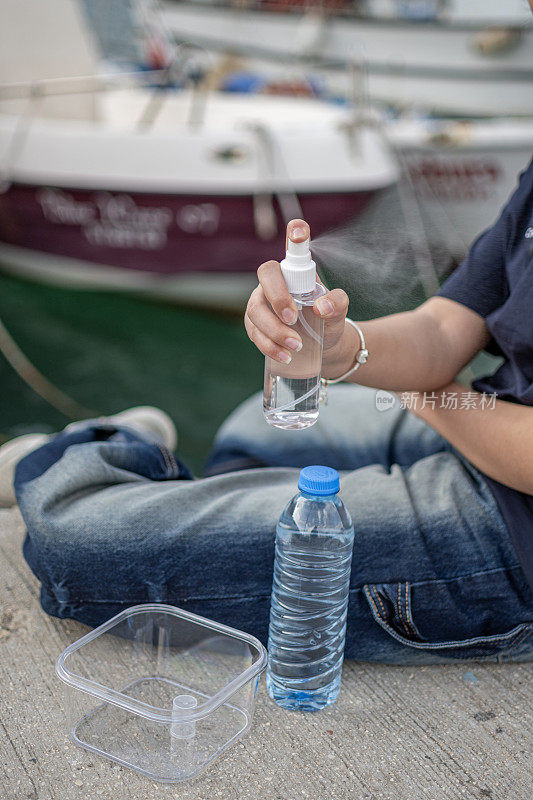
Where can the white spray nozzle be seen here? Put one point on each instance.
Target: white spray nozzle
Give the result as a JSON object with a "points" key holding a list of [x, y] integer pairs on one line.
{"points": [[298, 248], [298, 268]]}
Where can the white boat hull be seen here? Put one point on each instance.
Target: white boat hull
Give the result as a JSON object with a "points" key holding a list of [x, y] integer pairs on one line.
{"points": [[187, 212], [462, 173], [433, 65]]}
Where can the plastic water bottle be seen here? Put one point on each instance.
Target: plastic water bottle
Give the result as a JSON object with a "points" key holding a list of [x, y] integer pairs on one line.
{"points": [[314, 541], [292, 391]]}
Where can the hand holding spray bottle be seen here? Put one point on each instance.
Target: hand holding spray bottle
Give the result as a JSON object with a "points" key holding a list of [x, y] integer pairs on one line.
{"points": [[292, 391]]}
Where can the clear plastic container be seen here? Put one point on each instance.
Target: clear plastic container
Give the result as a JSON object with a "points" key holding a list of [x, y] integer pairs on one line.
{"points": [[161, 690]]}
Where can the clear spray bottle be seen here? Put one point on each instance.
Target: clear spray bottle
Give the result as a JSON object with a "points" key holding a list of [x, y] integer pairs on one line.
{"points": [[292, 391]]}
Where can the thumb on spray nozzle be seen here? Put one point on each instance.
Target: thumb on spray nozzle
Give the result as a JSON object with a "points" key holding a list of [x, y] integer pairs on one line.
{"points": [[298, 230]]}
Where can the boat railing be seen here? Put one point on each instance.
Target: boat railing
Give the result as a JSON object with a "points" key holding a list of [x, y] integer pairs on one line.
{"points": [[81, 84], [33, 93]]}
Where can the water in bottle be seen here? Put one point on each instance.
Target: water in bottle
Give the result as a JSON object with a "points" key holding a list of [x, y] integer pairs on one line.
{"points": [[314, 541], [292, 391]]}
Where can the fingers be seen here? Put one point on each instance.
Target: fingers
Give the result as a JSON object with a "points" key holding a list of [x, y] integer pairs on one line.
{"points": [[271, 308], [298, 230], [267, 332], [332, 306], [262, 317], [276, 292], [265, 344]]}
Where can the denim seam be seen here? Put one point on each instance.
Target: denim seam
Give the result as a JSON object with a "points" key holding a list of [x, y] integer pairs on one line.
{"points": [[173, 461], [409, 621], [380, 601], [76, 601], [409, 612], [521, 638], [352, 591], [370, 597], [167, 461], [449, 643], [400, 610]]}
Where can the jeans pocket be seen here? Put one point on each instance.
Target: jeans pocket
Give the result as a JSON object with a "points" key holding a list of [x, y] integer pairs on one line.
{"points": [[395, 607]]}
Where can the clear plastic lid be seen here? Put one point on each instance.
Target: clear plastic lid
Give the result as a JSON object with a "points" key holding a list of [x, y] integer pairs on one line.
{"points": [[213, 660]]}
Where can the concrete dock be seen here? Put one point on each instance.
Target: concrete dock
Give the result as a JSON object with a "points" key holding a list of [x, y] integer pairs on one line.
{"points": [[426, 733]]}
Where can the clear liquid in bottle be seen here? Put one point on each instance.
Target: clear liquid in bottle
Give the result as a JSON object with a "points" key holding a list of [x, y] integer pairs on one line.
{"points": [[314, 542], [292, 391]]}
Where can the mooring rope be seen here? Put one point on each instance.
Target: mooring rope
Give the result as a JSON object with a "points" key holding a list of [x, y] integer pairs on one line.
{"points": [[37, 381]]}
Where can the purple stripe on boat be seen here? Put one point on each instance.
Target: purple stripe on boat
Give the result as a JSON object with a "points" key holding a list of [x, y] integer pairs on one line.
{"points": [[158, 233]]}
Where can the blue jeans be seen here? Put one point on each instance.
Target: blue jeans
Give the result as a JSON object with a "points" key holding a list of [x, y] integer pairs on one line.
{"points": [[114, 519]]}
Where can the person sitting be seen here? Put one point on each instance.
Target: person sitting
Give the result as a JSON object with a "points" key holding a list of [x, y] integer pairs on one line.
{"points": [[439, 490]]}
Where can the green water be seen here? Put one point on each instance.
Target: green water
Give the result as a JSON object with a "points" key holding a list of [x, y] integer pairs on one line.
{"points": [[109, 352]]}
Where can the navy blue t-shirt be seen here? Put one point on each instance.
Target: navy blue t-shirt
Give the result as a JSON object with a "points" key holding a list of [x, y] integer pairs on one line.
{"points": [[496, 281]]}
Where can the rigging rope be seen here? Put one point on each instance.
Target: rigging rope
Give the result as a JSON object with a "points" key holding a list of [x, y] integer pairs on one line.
{"points": [[38, 382]]}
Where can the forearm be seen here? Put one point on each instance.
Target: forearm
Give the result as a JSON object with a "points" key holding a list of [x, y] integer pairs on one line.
{"points": [[405, 354], [418, 350], [497, 439]]}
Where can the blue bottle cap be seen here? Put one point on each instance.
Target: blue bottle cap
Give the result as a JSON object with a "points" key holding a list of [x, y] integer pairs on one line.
{"points": [[319, 480]]}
